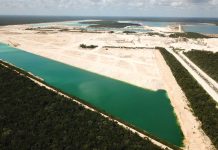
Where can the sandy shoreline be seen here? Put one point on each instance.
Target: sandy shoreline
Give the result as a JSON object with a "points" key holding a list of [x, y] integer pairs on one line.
{"points": [[141, 67]]}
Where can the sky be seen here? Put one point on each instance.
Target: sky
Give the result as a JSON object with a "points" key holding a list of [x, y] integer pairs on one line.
{"points": [[142, 8]]}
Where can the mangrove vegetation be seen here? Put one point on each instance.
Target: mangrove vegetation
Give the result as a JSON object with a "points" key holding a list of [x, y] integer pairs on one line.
{"points": [[108, 24]]}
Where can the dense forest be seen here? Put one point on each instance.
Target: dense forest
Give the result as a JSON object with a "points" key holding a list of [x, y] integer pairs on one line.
{"points": [[32, 117], [191, 35], [203, 105], [207, 61]]}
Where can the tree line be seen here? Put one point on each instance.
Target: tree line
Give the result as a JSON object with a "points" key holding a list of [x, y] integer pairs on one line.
{"points": [[191, 35], [207, 61], [32, 117], [204, 107]]}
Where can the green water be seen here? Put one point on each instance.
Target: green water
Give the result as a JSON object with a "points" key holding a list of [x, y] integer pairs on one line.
{"points": [[148, 110]]}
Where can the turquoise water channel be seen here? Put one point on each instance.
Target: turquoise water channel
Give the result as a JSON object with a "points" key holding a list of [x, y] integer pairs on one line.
{"points": [[147, 110]]}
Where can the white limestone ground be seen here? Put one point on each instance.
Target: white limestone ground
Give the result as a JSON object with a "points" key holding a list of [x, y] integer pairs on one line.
{"points": [[141, 67]]}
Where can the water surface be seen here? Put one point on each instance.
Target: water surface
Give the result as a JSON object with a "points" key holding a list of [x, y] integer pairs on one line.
{"points": [[201, 28], [147, 110]]}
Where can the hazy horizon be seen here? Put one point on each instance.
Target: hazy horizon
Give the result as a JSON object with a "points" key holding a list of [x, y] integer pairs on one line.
{"points": [[121, 8], [105, 16]]}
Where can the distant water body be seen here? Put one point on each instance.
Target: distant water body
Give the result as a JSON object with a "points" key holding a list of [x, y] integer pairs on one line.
{"points": [[200, 25], [10, 20]]}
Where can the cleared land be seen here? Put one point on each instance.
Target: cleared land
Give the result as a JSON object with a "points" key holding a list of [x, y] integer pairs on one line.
{"points": [[206, 82], [194, 136], [138, 67], [202, 104], [118, 56]]}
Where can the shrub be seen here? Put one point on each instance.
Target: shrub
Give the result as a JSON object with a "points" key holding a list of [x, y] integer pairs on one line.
{"points": [[192, 35], [128, 32], [88, 46]]}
